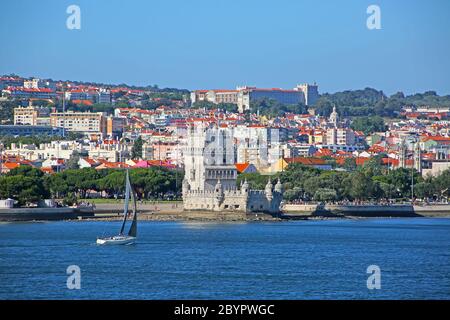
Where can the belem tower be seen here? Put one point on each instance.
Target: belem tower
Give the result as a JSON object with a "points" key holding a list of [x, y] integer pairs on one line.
{"points": [[210, 175]]}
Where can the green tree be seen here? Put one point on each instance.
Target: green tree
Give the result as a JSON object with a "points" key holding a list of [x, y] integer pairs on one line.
{"points": [[26, 171], [325, 194], [359, 186], [349, 164], [293, 194], [113, 183], [25, 189], [368, 125], [441, 184], [136, 150], [255, 180]]}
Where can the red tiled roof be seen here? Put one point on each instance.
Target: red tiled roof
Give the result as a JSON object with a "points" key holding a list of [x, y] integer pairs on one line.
{"points": [[10, 165], [241, 167], [90, 161], [47, 170], [438, 138], [85, 102], [360, 160], [323, 152]]}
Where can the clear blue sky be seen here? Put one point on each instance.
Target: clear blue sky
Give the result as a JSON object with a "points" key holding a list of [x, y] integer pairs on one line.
{"points": [[220, 44]]}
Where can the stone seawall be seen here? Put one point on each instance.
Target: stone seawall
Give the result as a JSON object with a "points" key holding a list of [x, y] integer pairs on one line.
{"points": [[35, 214], [174, 211], [396, 210]]}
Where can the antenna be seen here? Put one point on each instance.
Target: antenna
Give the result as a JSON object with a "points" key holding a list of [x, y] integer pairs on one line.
{"points": [[64, 110]]}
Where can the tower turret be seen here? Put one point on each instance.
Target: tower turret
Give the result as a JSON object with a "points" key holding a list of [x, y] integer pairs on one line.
{"points": [[218, 193], [268, 190], [245, 187], [185, 187], [279, 187]]}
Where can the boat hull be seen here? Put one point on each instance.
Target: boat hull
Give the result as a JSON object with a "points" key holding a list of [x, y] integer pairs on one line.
{"points": [[116, 240]]}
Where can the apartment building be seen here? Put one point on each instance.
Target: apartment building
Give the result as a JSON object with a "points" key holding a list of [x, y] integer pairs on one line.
{"points": [[31, 115], [54, 149], [340, 136], [115, 126], [6, 82], [31, 93], [165, 151], [102, 96], [36, 83], [85, 122]]}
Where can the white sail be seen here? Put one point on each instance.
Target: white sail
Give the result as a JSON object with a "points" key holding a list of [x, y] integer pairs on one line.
{"points": [[131, 237]]}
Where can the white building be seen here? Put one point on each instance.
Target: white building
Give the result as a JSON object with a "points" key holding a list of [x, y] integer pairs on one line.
{"points": [[31, 116], [54, 149], [85, 122]]}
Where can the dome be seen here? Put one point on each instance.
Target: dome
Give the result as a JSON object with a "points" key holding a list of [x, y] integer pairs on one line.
{"points": [[245, 186], [269, 186], [279, 186]]}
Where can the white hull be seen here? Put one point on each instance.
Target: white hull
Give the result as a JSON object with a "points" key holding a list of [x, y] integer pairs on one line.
{"points": [[117, 240]]}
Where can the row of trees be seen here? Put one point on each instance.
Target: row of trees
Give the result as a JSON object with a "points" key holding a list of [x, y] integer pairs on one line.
{"points": [[230, 107], [272, 108], [29, 185], [368, 182], [369, 125], [370, 102]]}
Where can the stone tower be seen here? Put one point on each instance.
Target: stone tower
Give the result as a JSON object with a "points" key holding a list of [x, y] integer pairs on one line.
{"points": [[209, 157], [402, 152], [210, 176], [418, 158]]}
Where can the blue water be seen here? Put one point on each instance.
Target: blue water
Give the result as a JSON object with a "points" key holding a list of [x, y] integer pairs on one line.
{"points": [[268, 260]]}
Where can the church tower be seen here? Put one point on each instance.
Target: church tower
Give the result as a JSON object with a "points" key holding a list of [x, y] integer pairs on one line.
{"points": [[334, 117]]}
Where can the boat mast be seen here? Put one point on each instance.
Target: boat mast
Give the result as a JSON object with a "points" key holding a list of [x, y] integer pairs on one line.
{"points": [[127, 199], [133, 228]]}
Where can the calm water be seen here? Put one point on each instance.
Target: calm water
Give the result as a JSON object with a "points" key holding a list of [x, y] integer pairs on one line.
{"points": [[174, 260]]}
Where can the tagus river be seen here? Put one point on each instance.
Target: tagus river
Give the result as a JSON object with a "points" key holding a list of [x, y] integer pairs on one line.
{"points": [[259, 260]]}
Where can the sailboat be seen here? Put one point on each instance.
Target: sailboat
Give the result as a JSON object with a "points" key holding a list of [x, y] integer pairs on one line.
{"points": [[122, 238]]}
